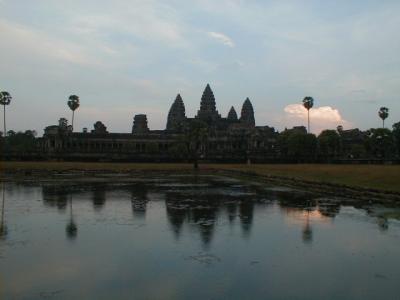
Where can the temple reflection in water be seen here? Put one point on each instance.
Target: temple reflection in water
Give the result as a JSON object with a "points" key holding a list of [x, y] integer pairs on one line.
{"points": [[199, 204]]}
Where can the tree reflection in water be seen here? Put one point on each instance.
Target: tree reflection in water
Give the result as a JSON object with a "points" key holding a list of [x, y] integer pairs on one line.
{"points": [[139, 200], [197, 204], [56, 195], [3, 225], [71, 228], [246, 210], [307, 229], [99, 196], [383, 224]]}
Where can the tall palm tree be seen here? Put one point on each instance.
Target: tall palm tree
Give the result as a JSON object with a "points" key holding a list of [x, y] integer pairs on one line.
{"points": [[73, 103], [5, 99], [383, 114], [308, 103]]}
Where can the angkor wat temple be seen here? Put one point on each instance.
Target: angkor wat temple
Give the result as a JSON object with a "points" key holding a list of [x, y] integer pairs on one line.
{"points": [[231, 138]]}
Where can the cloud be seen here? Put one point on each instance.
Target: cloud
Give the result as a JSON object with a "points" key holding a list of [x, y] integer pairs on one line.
{"points": [[323, 117], [24, 41], [222, 38]]}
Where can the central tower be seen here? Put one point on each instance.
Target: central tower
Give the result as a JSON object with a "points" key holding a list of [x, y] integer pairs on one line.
{"points": [[208, 111]]}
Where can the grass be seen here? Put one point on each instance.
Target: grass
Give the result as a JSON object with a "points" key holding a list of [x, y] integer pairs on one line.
{"points": [[381, 177]]}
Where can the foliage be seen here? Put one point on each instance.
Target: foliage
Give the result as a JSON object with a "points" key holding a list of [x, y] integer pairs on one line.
{"points": [[5, 98], [195, 137], [329, 143], [383, 113], [396, 136], [381, 142], [73, 102], [357, 151], [21, 141], [302, 146], [63, 123], [308, 102]]}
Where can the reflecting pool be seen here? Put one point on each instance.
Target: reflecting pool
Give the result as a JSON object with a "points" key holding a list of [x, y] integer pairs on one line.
{"points": [[192, 237]]}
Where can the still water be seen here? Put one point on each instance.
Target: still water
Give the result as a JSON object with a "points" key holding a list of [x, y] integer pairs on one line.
{"points": [[193, 237]]}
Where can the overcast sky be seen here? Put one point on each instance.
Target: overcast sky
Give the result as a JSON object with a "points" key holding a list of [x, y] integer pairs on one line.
{"points": [[125, 57]]}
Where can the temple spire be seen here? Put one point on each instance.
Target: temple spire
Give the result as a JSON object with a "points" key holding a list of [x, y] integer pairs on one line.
{"points": [[176, 115], [207, 100], [247, 113], [208, 111], [232, 115]]}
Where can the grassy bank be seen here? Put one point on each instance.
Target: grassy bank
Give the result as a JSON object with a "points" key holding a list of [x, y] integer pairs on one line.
{"points": [[382, 177]]}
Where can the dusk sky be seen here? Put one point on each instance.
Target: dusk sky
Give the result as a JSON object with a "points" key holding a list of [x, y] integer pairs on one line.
{"points": [[125, 57]]}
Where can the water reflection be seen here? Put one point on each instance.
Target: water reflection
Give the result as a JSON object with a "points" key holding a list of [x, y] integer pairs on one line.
{"points": [[139, 200], [203, 212], [200, 204], [3, 225], [383, 223], [197, 237], [56, 195], [71, 228], [307, 229], [99, 196]]}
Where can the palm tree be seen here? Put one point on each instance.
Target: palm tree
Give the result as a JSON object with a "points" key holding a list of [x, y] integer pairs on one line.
{"points": [[308, 103], [5, 99], [383, 114], [73, 103]]}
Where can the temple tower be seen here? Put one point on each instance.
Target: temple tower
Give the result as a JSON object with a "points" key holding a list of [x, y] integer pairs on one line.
{"points": [[176, 115], [140, 124], [208, 111], [232, 115], [247, 114]]}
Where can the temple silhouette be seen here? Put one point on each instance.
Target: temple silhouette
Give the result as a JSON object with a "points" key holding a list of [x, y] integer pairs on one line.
{"points": [[231, 138]]}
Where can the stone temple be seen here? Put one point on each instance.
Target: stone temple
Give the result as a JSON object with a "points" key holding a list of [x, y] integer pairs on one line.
{"points": [[231, 139]]}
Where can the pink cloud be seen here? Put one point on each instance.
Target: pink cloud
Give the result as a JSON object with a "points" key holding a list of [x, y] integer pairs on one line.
{"points": [[324, 117]]}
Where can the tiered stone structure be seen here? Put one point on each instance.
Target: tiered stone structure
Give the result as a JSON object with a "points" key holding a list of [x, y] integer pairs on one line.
{"points": [[208, 112], [247, 114], [232, 115], [176, 115], [228, 139], [140, 124]]}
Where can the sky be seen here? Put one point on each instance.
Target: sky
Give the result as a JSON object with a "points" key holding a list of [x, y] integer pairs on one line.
{"points": [[125, 57]]}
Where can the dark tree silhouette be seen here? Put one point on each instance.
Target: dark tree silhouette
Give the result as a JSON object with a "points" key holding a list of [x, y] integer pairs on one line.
{"points": [[381, 142], [308, 103], [73, 103], [383, 114], [329, 143], [396, 136], [195, 136], [5, 99]]}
